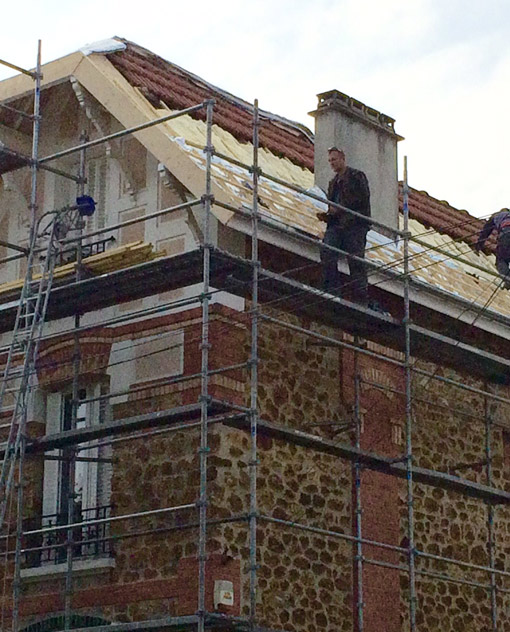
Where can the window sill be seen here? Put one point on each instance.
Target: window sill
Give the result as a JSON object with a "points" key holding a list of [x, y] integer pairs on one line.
{"points": [[80, 567]]}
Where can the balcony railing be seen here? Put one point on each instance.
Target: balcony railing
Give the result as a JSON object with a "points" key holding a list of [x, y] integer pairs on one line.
{"points": [[69, 255], [50, 547]]}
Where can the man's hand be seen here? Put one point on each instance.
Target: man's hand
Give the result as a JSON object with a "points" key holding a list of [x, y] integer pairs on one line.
{"points": [[322, 216]]}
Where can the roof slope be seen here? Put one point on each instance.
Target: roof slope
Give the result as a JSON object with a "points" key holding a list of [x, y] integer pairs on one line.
{"points": [[161, 81], [130, 82], [446, 219]]}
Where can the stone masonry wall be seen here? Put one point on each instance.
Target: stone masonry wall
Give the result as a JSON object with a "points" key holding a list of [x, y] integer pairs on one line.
{"points": [[305, 578], [450, 433]]}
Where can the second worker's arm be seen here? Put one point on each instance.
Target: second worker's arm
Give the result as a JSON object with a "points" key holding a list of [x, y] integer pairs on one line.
{"points": [[484, 234]]}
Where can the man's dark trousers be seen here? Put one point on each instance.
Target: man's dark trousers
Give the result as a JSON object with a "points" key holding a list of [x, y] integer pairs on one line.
{"points": [[503, 256], [353, 241]]}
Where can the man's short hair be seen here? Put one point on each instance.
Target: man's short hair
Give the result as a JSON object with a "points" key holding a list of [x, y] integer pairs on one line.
{"points": [[339, 151]]}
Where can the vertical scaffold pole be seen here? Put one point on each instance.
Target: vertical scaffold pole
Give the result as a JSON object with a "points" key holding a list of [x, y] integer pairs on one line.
{"points": [[357, 493], [408, 414], [19, 537], [204, 391], [36, 127], [35, 145], [254, 370], [490, 515], [71, 454]]}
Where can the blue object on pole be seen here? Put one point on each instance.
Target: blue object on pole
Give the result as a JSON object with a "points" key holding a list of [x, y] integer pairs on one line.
{"points": [[85, 205]]}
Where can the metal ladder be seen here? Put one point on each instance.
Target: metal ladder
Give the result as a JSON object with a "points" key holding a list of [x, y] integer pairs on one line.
{"points": [[30, 317]]}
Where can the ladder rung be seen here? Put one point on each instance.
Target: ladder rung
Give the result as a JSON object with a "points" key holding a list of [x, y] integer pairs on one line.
{"points": [[21, 336], [14, 373], [10, 391], [24, 317]]}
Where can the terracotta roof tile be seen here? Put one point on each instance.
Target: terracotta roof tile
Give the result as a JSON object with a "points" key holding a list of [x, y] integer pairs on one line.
{"points": [[162, 81], [444, 218]]}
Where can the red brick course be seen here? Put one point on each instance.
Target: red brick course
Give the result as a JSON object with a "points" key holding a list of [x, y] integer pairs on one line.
{"points": [[55, 359], [181, 588], [380, 502]]}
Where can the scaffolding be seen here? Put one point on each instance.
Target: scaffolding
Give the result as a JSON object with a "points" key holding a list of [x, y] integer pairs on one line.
{"points": [[259, 287]]}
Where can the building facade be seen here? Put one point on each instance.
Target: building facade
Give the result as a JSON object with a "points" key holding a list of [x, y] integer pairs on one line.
{"points": [[211, 440]]}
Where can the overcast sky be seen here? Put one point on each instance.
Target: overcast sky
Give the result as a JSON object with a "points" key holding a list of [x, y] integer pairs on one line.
{"points": [[441, 68]]}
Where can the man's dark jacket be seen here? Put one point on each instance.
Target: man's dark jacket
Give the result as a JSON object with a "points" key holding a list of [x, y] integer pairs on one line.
{"points": [[499, 222], [352, 191]]}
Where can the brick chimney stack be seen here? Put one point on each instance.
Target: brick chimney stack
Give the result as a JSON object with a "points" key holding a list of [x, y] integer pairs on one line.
{"points": [[370, 144]]}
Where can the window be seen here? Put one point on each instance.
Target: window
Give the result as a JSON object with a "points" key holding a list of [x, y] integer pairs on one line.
{"points": [[85, 475], [91, 471]]}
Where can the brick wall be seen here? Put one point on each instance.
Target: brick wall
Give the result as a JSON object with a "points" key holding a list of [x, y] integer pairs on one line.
{"points": [[118, 600]]}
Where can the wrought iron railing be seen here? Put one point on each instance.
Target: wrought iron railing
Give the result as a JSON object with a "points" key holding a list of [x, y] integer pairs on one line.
{"points": [[69, 255], [50, 547]]}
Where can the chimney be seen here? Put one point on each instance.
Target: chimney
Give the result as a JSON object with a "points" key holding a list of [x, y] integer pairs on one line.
{"points": [[370, 144]]}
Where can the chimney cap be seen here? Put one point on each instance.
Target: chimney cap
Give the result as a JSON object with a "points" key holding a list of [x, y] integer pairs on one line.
{"points": [[339, 101]]}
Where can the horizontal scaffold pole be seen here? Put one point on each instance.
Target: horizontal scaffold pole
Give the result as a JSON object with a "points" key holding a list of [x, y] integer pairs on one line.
{"points": [[377, 462]]}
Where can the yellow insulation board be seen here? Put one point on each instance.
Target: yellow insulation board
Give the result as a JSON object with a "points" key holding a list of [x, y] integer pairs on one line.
{"points": [[102, 263]]}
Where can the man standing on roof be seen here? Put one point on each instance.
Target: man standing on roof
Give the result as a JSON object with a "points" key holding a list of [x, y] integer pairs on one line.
{"points": [[499, 222], [345, 231]]}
